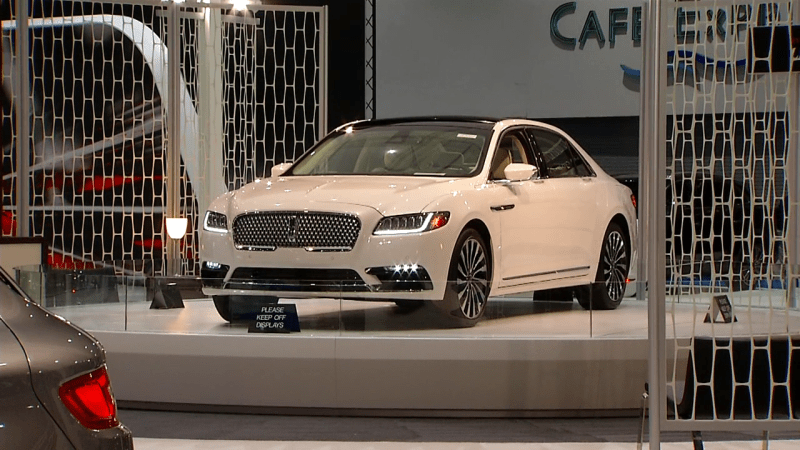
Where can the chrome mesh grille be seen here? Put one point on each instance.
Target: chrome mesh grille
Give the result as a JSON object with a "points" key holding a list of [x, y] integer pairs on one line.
{"points": [[287, 229]]}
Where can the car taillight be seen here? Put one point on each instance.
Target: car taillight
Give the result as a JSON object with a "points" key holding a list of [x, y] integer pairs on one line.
{"points": [[90, 400], [633, 200]]}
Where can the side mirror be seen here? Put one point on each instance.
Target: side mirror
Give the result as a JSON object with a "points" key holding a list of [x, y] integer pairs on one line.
{"points": [[520, 172], [279, 169]]}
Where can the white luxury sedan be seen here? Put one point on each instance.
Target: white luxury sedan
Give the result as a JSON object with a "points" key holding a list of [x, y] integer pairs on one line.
{"points": [[441, 209]]}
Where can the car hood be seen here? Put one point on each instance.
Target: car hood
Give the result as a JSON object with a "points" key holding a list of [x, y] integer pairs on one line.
{"points": [[387, 195]]}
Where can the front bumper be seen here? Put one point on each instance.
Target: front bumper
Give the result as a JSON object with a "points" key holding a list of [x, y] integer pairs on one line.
{"points": [[410, 266], [400, 278]]}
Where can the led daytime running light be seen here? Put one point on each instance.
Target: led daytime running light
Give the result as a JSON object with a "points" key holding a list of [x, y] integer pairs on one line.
{"points": [[394, 225], [215, 222]]}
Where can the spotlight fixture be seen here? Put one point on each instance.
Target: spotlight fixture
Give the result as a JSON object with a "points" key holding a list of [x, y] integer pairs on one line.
{"points": [[176, 227]]}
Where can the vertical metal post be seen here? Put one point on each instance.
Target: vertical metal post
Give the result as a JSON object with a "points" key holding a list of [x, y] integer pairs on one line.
{"points": [[369, 59], [793, 234], [174, 123], [22, 95], [656, 230], [323, 74], [645, 153], [374, 59]]}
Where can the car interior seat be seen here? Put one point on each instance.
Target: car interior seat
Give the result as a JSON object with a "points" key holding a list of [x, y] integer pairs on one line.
{"points": [[503, 157]]}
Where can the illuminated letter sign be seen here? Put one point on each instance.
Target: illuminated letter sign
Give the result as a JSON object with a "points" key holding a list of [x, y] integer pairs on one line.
{"points": [[592, 26], [561, 11], [636, 25], [616, 22]]}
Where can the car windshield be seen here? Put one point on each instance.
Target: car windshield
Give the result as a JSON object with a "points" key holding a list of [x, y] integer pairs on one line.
{"points": [[397, 150]]}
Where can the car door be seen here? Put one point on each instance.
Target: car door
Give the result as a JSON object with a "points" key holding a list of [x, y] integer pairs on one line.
{"points": [[24, 423], [573, 209], [525, 244]]}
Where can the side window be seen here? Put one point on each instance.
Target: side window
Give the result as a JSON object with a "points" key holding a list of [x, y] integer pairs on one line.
{"points": [[510, 150], [560, 158]]}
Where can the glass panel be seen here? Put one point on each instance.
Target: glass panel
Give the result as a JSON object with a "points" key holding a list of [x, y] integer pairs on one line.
{"points": [[132, 296]]}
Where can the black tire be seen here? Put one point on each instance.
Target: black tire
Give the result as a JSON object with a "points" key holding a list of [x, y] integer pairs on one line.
{"points": [[409, 305], [469, 280], [612, 271], [223, 305], [751, 270], [567, 294]]}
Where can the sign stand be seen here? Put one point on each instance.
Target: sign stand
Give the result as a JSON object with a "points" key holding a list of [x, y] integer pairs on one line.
{"points": [[275, 318], [721, 304]]}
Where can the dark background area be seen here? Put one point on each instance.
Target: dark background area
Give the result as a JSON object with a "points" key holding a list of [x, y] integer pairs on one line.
{"points": [[346, 25]]}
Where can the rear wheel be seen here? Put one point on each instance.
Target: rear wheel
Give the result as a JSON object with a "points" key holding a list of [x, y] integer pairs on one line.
{"points": [[468, 280], [567, 294], [612, 271], [752, 270]]}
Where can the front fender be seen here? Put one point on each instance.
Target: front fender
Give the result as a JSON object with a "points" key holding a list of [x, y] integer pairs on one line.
{"points": [[474, 210]]}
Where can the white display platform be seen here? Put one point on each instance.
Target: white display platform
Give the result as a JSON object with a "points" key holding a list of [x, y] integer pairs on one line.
{"points": [[524, 358]]}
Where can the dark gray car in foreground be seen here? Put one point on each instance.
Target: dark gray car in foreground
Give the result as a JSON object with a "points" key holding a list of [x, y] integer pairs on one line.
{"points": [[54, 388]]}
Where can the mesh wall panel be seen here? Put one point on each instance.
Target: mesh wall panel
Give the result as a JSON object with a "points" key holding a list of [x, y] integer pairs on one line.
{"points": [[99, 114], [8, 125], [96, 162], [731, 140], [272, 73]]}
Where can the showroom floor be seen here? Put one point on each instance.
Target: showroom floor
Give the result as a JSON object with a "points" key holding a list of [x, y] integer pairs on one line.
{"points": [[199, 431], [168, 430]]}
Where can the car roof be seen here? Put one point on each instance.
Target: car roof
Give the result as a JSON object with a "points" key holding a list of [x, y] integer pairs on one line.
{"points": [[476, 122], [473, 122]]}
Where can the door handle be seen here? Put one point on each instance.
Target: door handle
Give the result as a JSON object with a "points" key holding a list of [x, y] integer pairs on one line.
{"points": [[502, 207]]}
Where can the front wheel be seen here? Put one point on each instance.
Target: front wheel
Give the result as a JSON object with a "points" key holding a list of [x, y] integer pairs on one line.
{"points": [[612, 271], [468, 280], [223, 305]]}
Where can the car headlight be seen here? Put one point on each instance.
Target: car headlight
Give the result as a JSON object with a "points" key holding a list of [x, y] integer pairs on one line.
{"points": [[215, 222], [411, 223]]}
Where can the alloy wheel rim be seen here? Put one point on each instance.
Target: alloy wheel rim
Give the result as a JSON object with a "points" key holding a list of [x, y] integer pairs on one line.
{"points": [[615, 265], [472, 279]]}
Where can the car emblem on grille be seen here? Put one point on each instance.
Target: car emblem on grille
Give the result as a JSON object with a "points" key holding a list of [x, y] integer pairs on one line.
{"points": [[294, 226]]}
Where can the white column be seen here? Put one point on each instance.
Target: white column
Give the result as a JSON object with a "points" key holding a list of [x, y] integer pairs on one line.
{"points": [[22, 94], [174, 133], [793, 161], [210, 104], [323, 76], [656, 227]]}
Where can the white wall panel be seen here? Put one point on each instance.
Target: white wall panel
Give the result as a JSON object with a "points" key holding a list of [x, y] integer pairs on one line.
{"points": [[498, 58]]}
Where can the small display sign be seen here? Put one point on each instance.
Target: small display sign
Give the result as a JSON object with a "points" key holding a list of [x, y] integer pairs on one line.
{"points": [[275, 318], [720, 305]]}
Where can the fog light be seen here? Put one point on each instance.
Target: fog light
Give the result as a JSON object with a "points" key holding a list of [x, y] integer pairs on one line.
{"points": [[402, 277], [213, 274]]}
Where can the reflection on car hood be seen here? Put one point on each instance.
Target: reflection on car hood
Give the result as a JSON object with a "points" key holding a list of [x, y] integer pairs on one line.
{"points": [[387, 195]]}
